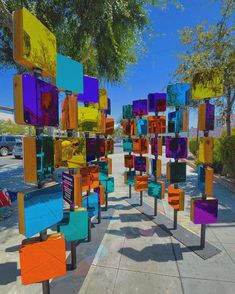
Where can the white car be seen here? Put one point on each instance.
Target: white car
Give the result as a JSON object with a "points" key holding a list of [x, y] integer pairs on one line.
{"points": [[18, 150]]}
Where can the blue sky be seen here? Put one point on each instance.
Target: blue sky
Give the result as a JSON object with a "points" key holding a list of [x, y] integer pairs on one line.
{"points": [[154, 69]]}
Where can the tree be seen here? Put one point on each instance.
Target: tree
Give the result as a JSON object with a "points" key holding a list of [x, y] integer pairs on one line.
{"points": [[9, 127], [104, 34], [209, 47]]}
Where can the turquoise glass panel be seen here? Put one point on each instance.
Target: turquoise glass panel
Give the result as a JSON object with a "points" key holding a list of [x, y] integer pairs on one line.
{"points": [[142, 126], [155, 189], [74, 225], [69, 74], [43, 208], [91, 203], [127, 145], [179, 120], [103, 172], [130, 178], [108, 185]]}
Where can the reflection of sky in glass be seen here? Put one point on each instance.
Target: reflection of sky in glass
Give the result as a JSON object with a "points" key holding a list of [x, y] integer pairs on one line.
{"points": [[178, 95]]}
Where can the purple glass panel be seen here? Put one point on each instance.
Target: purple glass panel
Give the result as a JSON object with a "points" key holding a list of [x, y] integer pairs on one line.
{"points": [[40, 102], [90, 149], [154, 146], [140, 107], [205, 211], [91, 90], [176, 147], [108, 110], [210, 116], [156, 102], [140, 164]]}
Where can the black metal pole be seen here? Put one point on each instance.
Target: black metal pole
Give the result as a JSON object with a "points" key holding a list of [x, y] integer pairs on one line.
{"points": [[89, 230], [155, 206], [175, 219]]}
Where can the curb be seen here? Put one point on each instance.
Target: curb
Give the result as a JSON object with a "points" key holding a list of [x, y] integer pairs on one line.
{"points": [[217, 178]]}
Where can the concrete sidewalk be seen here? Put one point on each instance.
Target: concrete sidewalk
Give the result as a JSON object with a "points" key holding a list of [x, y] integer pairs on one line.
{"points": [[131, 254]]}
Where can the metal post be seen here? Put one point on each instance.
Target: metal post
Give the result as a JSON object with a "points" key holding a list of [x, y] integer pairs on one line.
{"points": [[155, 206], [175, 219], [141, 198], [106, 201], [203, 236], [89, 230], [45, 284]]}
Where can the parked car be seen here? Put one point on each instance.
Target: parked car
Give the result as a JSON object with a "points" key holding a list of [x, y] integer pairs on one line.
{"points": [[18, 150], [7, 143]]}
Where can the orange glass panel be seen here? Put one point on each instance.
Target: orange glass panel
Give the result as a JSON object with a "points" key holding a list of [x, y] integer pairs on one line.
{"points": [[141, 183], [141, 145], [42, 260], [176, 198]]}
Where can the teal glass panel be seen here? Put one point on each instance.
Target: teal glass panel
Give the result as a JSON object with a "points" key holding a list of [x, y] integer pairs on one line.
{"points": [[69, 74], [74, 225], [179, 120], [45, 158], [127, 145], [103, 172], [127, 112], [108, 185], [177, 172], [91, 203], [130, 178], [142, 126], [155, 189]]}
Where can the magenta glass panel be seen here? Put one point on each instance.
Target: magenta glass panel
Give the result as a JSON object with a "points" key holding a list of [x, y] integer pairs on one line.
{"points": [[140, 107], [90, 90], [40, 102], [156, 102], [154, 146], [210, 116], [140, 164], [176, 147], [205, 211]]}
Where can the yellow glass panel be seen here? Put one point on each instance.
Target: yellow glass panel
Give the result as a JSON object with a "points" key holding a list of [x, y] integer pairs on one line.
{"points": [[209, 177], [202, 117], [103, 99], [89, 120], [207, 84], [34, 44], [206, 150], [70, 152]]}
